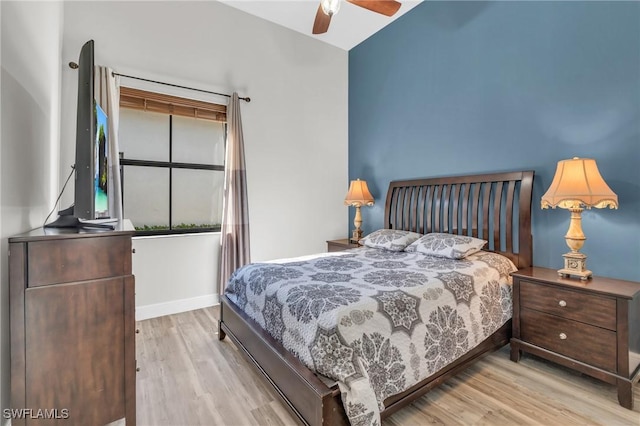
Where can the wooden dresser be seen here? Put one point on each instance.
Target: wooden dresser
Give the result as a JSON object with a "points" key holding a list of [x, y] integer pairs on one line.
{"points": [[592, 327], [72, 319]]}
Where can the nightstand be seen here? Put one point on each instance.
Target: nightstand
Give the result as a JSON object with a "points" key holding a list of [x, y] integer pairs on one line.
{"points": [[339, 245], [590, 326]]}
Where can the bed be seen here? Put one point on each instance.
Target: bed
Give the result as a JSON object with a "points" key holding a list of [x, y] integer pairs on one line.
{"points": [[492, 207]]}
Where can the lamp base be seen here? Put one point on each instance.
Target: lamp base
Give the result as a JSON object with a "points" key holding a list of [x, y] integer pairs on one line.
{"points": [[575, 263], [357, 235]]}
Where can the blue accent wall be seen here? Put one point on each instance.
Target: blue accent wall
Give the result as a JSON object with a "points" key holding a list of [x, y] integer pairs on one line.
{"points": [[475, 87]]}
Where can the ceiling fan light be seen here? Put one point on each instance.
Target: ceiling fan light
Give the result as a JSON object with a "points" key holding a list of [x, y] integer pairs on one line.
{"points": [[330, 7]]}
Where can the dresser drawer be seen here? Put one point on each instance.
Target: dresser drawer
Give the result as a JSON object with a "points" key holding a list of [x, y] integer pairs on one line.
{"points": [[584, 307], [582, 342], [62, 261]]}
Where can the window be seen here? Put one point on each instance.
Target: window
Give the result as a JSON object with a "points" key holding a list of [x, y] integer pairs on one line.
{"points": [[172, 160]]}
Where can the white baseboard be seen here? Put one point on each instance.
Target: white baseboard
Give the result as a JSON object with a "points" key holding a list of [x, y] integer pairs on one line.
{"points": [[176, 306]]}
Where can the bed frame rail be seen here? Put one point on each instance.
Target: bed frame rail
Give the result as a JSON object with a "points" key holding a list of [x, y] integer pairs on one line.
{"points": [[307, 397]]}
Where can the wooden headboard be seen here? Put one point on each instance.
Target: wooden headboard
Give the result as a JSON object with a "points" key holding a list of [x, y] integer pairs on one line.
{"points": [[495, 207]]}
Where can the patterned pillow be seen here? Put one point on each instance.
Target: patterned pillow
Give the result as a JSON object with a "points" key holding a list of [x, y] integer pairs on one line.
{"points": [[447, 245], [390, 239]]}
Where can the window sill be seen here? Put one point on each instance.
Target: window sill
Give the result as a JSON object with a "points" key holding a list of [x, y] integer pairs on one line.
{"points": [[153, 233]]}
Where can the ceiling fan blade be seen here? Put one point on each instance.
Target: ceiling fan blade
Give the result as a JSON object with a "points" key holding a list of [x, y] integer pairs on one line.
{"points": [[385, 7], [321, 24]]}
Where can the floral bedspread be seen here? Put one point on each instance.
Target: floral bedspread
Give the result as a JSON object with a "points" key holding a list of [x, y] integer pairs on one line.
{"points": [[376, 321]]}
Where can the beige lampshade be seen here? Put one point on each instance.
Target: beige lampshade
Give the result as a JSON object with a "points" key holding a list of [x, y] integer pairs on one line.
{"points": [[358, 194], [577, 183]]}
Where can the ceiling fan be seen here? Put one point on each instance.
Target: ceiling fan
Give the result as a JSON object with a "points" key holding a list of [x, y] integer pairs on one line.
{"points": [[328, 8]]}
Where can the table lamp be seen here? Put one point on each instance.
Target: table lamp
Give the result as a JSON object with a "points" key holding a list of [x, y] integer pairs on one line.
{"points": [[576, 185], [358, 196]]}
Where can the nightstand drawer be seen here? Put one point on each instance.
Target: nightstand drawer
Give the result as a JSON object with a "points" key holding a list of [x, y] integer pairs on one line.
{"points": [[584, 307], [582, 342]]}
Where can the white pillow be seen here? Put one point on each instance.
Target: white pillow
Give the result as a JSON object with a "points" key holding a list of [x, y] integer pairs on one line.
{"points": [[390, 239], [447, 245]]}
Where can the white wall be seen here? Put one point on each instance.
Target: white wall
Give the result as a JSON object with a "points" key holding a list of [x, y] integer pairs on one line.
{"points": [[184, 264], [31, 47], [295, 128]]}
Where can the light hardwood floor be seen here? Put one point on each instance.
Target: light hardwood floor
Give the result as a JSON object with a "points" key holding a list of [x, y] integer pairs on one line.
{"points": [[188, 377]]}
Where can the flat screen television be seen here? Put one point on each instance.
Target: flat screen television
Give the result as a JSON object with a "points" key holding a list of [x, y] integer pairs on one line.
{"points": [[91, 197]]}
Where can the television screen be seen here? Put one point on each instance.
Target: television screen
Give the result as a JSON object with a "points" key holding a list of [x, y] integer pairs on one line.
{"points": [[90, 201], [84, 198], [101, 169], [92, 141]]}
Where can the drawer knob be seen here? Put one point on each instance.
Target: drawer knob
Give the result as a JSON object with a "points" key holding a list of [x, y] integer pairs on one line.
{"points": [[563, 336], [137, 331], [562, 303]]}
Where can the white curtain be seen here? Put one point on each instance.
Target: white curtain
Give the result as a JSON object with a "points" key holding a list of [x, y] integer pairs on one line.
{"points": [[235, 208], [107, 93]]}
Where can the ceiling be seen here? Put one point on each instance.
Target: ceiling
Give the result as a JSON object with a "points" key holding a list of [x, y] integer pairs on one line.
{"points": [[349, 27]]}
